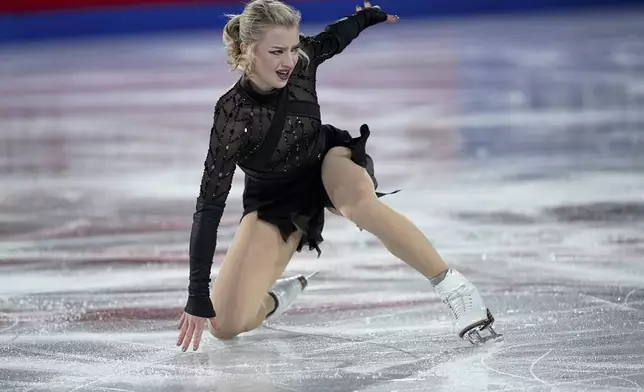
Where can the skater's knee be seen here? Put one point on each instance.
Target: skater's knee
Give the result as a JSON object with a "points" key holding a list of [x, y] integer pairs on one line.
{"points": [[227, 331], [224, 335], [359, 207], [228, 327]]}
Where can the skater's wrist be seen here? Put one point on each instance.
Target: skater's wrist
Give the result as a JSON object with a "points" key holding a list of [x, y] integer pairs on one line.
{"points": [[200, 307], [368, 17]]}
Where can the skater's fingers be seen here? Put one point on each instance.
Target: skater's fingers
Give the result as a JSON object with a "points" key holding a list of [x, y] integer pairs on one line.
{"points": [[182, 320], [182, 333], [189, 333], [393, 18], [197, 338]]}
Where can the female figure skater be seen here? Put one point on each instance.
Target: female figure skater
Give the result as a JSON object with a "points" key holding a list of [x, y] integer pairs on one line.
{"points": [[269, 125]]}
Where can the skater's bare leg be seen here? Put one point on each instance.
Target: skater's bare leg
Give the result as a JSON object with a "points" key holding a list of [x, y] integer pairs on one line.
{"points": [[352, 193], [256, 259]]}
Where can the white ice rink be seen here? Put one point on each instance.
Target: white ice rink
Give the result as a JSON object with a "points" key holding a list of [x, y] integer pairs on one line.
{"points": [[518, 144]]}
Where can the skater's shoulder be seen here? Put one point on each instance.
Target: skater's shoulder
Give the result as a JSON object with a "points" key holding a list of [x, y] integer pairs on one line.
{"points": [[231, 93], [234, 98]]}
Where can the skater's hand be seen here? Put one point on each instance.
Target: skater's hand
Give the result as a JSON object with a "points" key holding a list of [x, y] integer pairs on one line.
{"points": [[390, 18], [191, 327]]}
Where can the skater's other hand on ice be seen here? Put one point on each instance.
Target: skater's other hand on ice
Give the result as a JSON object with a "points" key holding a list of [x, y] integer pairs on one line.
{"points": [[191, 328], [390, 18]]}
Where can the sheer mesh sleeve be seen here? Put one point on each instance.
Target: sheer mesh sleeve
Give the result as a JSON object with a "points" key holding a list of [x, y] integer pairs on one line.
{"points": [[339, 34], [229, 139]]}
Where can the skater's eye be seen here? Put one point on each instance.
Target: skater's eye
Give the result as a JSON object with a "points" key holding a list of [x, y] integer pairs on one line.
{"points": [[280, 50]]}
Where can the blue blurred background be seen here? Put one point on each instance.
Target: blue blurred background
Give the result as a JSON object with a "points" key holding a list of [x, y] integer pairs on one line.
{"points": [[45, 19]]}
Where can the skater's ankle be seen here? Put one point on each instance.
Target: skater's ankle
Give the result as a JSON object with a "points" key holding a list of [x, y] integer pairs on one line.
{"points": [[438, 278], [272, 303]]}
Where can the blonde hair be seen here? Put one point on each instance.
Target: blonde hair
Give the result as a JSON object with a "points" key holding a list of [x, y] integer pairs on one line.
{"points": [[248, 27]]}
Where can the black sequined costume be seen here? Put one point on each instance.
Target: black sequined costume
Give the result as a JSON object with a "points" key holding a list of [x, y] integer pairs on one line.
{"points": [[287, 189]]}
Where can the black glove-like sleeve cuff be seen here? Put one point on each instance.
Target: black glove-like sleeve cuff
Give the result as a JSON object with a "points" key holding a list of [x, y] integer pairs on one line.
{"points": [[200, 307]]}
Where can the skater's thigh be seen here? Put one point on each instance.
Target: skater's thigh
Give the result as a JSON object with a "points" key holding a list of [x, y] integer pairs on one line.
{"points": [[256, 259], [346, 183]]}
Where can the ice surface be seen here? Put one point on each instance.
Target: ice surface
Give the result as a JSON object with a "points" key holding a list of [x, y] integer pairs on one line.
{"points": [[518, 144]]}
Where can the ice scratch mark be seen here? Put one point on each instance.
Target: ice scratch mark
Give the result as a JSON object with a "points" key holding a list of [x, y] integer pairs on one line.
{"points": [[535, 363], [483, 358], [613, 304], [628, 296], [629, 381]]}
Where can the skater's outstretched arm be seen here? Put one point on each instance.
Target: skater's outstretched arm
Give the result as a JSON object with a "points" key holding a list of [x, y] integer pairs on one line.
{"points": [[339, 34], [228, 141]]}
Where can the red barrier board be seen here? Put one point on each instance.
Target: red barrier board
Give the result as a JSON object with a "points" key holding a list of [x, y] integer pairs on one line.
{"points": [[25, 6]]}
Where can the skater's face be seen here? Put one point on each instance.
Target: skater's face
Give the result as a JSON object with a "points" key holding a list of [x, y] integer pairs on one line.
{"points": [[275, 57]]}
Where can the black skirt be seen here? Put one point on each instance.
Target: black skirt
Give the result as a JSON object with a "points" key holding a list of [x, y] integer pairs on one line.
{"points": [[298, 204]]}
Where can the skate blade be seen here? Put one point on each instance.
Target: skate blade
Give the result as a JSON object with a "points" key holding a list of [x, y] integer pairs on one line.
{"points": [[309, 276], [483, 332]]}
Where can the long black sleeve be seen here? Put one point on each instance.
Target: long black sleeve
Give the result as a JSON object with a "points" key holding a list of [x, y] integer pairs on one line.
{"points": [[229, 139], [203, 240], [339, 34]]}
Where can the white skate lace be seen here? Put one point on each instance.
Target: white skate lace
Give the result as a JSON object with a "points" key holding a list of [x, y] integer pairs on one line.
{"points": [[460, 301]]}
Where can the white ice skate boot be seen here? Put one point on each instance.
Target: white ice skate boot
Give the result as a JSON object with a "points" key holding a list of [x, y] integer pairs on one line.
{"points": [[286, 290], [473, 320]]}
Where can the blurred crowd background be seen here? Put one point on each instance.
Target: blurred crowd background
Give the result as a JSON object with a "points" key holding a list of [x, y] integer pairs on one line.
{"points": [[44, 19]]}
